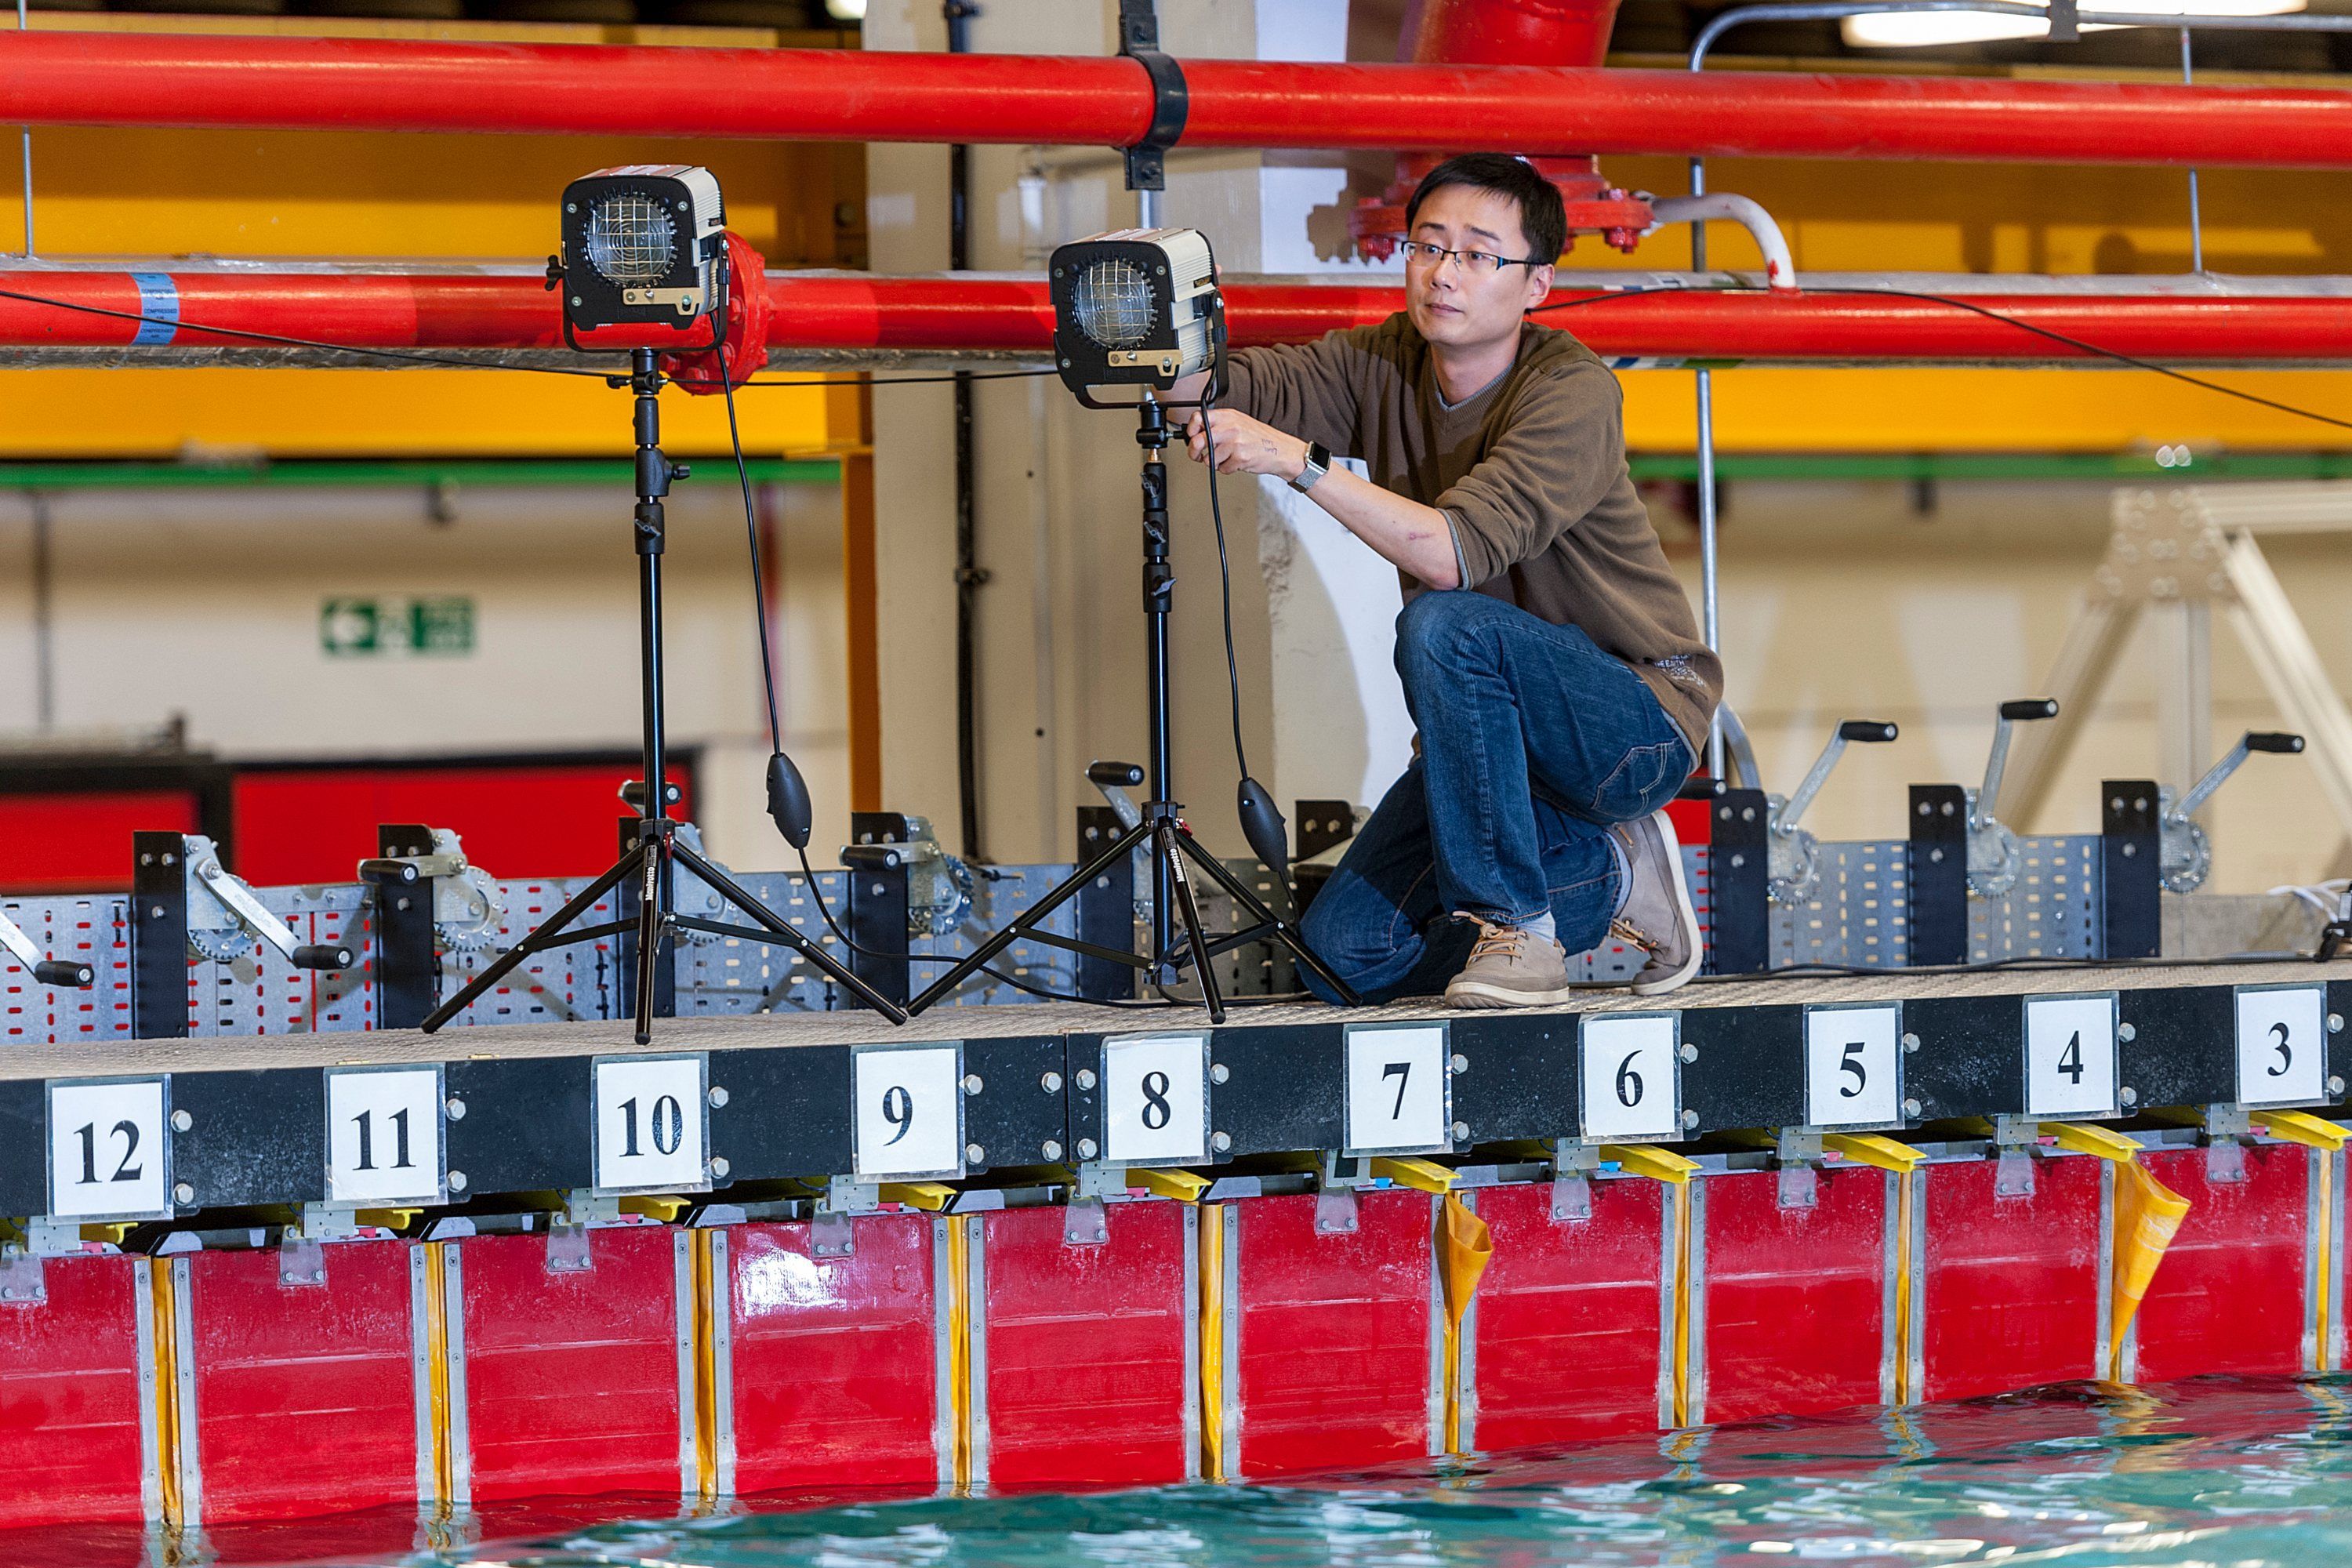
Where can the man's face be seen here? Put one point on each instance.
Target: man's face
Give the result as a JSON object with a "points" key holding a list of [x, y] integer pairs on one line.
{"points": [[1453, 304]]}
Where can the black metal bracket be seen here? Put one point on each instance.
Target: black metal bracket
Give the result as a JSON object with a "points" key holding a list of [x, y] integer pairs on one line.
{"points": [[1938, 876], [877, 874], [2131, 909], [1740, 931], [159, 936], [1106, 910], [407, 971], [1139, 39]]}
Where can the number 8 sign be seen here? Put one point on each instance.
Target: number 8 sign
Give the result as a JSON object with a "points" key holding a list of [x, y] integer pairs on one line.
{"points": [[1156, 1098]]}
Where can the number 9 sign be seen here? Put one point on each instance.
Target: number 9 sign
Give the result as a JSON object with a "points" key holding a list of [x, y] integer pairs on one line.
{"points": [[909, 1111]]}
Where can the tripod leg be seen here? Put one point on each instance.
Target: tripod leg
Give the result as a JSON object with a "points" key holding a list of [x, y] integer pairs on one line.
{"points": [[1169, 846], [532, 941], [823, 961], [1013, 931], [1284, 932], [653, 929]]}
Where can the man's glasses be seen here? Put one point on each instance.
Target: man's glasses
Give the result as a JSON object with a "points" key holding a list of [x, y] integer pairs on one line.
{"points": [[1476, 263]]}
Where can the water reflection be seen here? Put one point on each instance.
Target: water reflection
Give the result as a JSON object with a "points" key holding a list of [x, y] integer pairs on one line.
{"points": [[2233, 1471]]}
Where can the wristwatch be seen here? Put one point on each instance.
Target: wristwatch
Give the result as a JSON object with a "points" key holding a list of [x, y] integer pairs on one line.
{"points": [[1318, 463]]}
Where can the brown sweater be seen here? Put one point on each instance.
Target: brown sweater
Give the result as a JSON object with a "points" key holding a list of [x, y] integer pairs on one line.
{"points": [[1530, 474]]}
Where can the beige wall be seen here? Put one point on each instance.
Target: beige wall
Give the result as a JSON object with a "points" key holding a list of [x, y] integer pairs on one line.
{"points": [[207, 603]]}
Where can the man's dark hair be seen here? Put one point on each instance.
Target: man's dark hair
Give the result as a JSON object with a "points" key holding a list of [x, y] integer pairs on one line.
{"points": [[1541, 218]]}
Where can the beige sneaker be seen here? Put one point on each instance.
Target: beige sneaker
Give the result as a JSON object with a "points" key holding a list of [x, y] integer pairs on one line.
{"points": [[1511, 968], [1658, 917]]}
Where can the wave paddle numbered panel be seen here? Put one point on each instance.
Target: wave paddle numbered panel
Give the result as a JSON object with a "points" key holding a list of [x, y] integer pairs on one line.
{"points": [[1853, 1065], [1629, 1075], [109, 1159], [1155, 1099], [907, 1112], [384, 1135], [2282, 1034], [1400, 1089], [2069, 1054], [652, 1120]]}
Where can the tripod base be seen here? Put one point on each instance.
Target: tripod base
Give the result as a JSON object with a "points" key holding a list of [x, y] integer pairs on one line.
{"points": [[656, 922], [1171, 848]]}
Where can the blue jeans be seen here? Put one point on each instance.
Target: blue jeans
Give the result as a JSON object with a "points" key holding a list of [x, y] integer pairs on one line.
{"points": [[1533, 742]]}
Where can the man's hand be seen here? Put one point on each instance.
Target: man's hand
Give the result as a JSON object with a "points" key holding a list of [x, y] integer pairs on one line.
{"points": [[1245, 446]]}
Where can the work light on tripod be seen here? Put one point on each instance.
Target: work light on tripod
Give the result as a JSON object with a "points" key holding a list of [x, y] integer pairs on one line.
{"points": [[1135, 308], [644, 256]]}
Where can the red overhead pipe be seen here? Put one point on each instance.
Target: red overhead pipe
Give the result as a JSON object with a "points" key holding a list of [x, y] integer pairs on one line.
{"points": [[851, 312], [1506, 33], [364, 84]]}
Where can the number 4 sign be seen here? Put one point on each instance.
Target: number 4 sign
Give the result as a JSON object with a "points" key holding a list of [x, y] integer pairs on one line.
{"points": [[2069, 1054], [2281, 1050]]}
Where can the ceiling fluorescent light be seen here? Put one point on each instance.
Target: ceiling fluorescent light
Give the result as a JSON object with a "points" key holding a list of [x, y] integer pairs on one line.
{"points": [[1920, 29]]}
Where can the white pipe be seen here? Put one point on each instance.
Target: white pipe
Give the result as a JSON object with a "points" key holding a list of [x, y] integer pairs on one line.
{"points": [[1779, 267]]}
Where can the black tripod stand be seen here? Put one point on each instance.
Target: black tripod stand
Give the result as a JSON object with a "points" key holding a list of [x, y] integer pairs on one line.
{"points": [[1162, 825], [657, 848]]}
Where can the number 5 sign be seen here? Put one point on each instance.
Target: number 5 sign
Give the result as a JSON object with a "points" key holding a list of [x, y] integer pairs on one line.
{"points": [[1854, 1058]]}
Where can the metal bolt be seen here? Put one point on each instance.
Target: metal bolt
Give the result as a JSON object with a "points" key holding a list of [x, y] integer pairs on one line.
{"points": [[1459, 1063], [1910, 1108], [2335, 1084], [1051, 1150], [2130, 849], [971, 1084], [1221, 1142], [1220, 1073], [1461, 1130], [718, 1095], [182, 1121], [974, 1153], [2125, 1032], [1688, 1052], [1690, 1118], [182, 1193], [1738, 860], [1910, 1042], [1086, 1149], [155, 913], [2335, 1023], [720, 1167], [454, 1108], [1086, 1078], [1051, 1083], [2128, 1095], [456, 1180]]}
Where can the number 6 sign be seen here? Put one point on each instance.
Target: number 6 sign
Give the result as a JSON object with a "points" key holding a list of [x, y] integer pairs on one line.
{"points": [[1628, 1064]]}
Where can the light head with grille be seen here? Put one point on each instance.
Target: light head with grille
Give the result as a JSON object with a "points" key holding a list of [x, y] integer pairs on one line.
{"points": [[1135, 308], [645, 247]]}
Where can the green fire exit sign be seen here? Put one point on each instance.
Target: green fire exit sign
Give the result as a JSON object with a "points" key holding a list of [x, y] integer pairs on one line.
{"points": [[393, 627]]}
